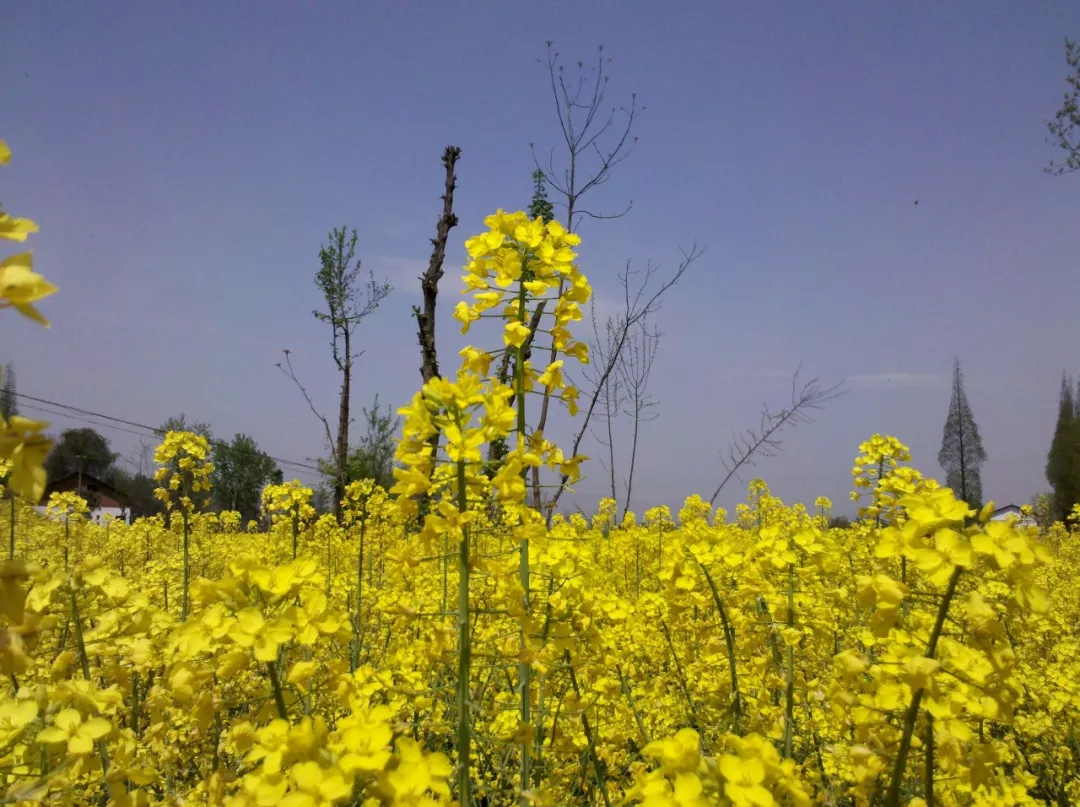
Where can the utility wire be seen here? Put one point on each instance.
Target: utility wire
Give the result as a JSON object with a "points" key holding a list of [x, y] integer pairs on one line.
{"points": [[153, 431]]}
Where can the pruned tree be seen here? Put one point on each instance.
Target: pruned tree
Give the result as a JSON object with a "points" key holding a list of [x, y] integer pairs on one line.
{"points": [[962, 454], [764, 441], [1065, 127], [635, 370], [429, 283], [350, 299]]}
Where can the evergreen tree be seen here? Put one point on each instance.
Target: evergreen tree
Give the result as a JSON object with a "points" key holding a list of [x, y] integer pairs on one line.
{"points": [[1063, 459], [962, 454], [540, 204], [8, 405]]}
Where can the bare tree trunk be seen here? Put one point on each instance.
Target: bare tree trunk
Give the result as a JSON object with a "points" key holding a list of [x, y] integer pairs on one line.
{"points": [[429, 283], [635, 368], [342, 451]]}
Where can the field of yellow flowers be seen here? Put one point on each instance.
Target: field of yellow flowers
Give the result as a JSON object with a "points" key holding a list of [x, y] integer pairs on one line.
{"points": [[443, 643]]}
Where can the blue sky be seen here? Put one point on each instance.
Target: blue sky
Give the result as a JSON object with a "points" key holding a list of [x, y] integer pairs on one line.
{"points": [[186, 160]]}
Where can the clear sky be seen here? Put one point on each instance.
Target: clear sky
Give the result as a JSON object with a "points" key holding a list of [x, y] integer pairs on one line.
{"points": [[185, 160]]}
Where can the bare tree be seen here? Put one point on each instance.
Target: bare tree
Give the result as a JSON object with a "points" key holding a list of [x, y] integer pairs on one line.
{"points": [[287, 368], [635, 369], [589, 128], [764, 441], [639, 303], [611, 396], [349, 301]]}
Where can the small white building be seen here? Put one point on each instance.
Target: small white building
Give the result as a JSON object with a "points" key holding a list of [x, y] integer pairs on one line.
{"points": [[1012, 511]]}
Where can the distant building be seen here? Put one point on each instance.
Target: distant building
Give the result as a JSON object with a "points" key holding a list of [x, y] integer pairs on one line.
{"points": [[1013, 511], [108, 500]]}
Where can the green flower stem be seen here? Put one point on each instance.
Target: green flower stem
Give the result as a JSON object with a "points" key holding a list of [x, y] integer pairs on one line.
{"points": [[279, 696], [524, 668], [729, 640], [464, 722], [892, 795], [354, 661], [187, 566], [789, 706], [84, 661]]}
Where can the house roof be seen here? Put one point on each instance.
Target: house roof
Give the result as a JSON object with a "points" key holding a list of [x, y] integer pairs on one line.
{"points": [[88, 482]]}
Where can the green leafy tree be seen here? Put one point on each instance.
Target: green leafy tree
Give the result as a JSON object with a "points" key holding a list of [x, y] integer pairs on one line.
{"points": [[179, 423], [1063, 459], [1065, 127], [241, 469], [962, 454], [374, 457], [8, 404], [349, 300], [80, 450]]}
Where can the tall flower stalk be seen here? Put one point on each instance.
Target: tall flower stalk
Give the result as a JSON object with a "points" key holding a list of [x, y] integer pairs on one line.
{"points": [[184, 472], [529, 259]]}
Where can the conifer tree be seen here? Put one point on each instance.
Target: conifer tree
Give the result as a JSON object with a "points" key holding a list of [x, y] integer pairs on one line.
{"points": [[1063, 459], [962, 454]]}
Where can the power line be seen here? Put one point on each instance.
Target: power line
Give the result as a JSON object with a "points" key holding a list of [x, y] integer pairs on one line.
{"points": [[153, 431]]}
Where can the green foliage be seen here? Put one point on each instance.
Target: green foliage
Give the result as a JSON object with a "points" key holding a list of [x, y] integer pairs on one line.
{"points": [[80, 450], [8, 404], [138, 488], [1065, 127], [179, 424], [241, 470], [540, 205], [374, 457], [962, 454], [1063, 459]]}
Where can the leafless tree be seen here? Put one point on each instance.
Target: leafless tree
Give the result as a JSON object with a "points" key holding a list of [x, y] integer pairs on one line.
{"points": [[635, 369], [641, 300], [611, 396], [764, 441], [590, 129], [287, 368]]}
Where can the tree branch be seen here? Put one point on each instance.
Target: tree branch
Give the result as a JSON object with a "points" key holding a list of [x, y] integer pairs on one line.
{"points": [[764, 440]]}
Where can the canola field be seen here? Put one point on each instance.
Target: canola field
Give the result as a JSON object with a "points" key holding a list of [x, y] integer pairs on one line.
{"points": [[444, 644]]}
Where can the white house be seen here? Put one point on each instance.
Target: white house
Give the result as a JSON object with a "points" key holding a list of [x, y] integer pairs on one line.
{"points": [[1012, 511]]}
